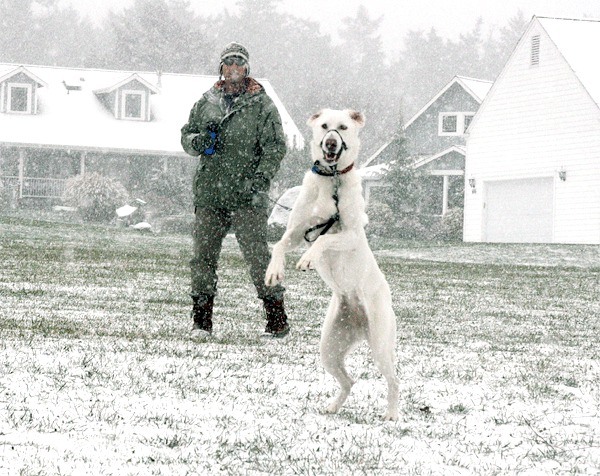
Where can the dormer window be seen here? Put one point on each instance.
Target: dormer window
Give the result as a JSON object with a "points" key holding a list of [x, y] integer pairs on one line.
{"points": [[454, 123], [19, 92], [133, 105], [19, 98], [129, 99]]}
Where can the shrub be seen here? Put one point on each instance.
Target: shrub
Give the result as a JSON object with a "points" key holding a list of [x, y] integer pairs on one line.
{"points": [[169, 193], [177, 224], [95, 196], [381, 220], [450, 228], [412, 226]]}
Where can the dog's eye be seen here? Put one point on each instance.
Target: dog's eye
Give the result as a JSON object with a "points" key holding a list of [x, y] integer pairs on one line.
{"points": [[324, 126], [343, 127]]}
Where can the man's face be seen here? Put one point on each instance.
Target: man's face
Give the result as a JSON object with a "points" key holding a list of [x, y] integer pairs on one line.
{"points": [[234, 69]]}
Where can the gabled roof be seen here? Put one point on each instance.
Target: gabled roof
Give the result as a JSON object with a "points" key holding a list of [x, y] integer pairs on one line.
{"points": [[477, 88], [373, 172], [78, 120], [460, 149], [10, 71], [377, 153], [577, 40], [127, 80]]}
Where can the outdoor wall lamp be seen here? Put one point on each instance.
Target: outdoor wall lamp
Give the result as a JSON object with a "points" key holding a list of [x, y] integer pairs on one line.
{"points": [[473, 185], [562, 174]]}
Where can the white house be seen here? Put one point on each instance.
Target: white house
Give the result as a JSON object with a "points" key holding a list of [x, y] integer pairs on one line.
{"points": [[532, 167], [55, 122]]}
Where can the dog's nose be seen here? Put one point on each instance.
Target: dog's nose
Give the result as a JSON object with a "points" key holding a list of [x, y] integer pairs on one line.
{"points": [[331, 143]]}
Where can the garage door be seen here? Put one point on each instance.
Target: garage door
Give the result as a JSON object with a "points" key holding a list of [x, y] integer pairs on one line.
{"points": [[519, 211]]}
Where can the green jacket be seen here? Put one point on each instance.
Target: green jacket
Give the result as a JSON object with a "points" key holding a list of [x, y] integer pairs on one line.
{"points": [[251, 145]]}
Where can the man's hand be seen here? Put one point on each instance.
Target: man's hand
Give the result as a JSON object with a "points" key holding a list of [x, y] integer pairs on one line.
{"points": [[207, 142]]}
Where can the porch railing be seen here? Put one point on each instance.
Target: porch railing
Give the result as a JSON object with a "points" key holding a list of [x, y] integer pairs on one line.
{"points": [[33, 187]]}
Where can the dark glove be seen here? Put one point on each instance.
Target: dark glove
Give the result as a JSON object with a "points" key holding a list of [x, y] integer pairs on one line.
{"points": [[208, 141]]}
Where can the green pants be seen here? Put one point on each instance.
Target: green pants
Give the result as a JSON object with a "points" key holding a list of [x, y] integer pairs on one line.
{"points": [[250, 227]]}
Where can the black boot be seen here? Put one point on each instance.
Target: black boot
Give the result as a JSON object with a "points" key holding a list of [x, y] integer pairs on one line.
{"points": [[277, 325], [202, 311]]}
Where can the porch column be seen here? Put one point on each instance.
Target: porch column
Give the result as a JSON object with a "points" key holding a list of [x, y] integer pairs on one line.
{"points": [[367, 192], [445, 196], [82, 163], [21, 171]]}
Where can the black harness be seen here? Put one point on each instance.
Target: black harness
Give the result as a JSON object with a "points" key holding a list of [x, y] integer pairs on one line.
{"points": [[332, 172]]}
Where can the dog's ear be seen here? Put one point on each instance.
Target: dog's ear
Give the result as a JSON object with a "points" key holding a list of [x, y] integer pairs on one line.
{"points": [[357, 117], [314, 117]]}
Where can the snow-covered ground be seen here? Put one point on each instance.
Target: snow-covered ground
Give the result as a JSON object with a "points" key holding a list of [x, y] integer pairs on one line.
{"points": [[498, 359]]}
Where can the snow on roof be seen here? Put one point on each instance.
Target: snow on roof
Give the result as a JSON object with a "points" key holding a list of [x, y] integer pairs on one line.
{"points": [[576, 40], [7, 72], [460, 149], [77, 119], [373, 172], [478, 88]]}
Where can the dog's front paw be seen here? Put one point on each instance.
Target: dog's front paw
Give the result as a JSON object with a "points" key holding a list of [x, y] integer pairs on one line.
{"points": [[391, 415], [307, 261], [275, 272]]}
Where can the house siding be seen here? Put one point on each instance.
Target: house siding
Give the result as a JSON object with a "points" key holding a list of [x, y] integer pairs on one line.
{"points": [[422, 134], [536, 121]]}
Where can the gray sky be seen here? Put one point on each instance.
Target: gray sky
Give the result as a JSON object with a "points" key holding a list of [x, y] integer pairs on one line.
{"points": [[448, 17]]}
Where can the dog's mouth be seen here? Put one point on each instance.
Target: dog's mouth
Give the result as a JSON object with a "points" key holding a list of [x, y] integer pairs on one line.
{"points": [[330, 157], [332, 146]]}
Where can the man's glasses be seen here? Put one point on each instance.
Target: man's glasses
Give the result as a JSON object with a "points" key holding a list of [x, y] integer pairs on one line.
{"points": [[234, 59]]}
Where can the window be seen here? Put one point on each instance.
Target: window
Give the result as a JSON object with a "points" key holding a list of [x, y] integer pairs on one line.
{"points": [[133, 105], [449, 123], [454, 123], [19, 98], [535, 50], [467, 121]]}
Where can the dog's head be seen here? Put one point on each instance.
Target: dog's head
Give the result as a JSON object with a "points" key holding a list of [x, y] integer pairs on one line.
{"points": [[335, 136]]}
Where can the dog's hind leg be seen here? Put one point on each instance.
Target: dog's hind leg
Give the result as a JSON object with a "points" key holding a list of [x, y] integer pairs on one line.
{"points": [[338, 338], [382, 340]]}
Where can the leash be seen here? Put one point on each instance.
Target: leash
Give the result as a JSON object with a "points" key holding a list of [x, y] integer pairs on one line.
{"points": [[332, 172], [275, 202]]}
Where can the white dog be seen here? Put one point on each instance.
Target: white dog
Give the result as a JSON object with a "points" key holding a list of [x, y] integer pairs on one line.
{"points": [[330, 213]]}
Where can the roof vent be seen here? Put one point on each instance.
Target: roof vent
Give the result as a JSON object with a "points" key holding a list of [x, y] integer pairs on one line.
{"points": [[535, 50]]}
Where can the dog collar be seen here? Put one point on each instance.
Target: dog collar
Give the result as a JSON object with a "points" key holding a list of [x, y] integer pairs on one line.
{"points": [[318, 169]]}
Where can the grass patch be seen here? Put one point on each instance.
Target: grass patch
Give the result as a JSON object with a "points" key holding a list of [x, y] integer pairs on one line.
{"points": [[498, 360]]}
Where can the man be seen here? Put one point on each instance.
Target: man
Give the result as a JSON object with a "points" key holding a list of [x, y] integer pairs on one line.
{"points": [[235, 130]]}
